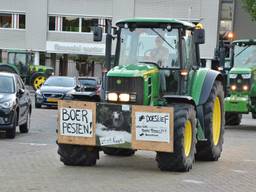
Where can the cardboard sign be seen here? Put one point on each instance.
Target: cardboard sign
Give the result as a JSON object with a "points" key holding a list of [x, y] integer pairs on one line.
{"points": [[152, 126], [112, 140], [76, 122]]}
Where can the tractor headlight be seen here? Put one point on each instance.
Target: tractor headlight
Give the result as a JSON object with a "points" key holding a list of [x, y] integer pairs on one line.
{"points": [[233, 87], [112, 96], [245, 88], [246, 76], [124, 97]]}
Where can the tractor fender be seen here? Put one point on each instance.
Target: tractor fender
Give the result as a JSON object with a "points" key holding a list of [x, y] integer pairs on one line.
{"points": [[179, 99], [209, 80], [11, 67], [36, 74]]}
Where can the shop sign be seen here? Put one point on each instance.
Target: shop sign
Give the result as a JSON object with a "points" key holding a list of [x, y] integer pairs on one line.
{"points": [[75, 48]]}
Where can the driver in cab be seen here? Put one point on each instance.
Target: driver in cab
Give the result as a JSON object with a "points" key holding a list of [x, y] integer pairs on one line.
{"points": [[160, 53]]}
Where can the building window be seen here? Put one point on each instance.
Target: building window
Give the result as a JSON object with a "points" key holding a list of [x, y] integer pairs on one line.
{"points": [[5, 20], [226, 19], [21, 23], [70, 24], [88, 23], [53, 23]]}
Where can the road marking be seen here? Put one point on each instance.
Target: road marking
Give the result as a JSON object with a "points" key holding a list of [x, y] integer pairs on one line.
{"points": [[34, 144], [193, 181], [250, 160], [239, 171]]}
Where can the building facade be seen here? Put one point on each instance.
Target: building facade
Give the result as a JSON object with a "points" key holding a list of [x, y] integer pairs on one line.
{"points": [[59, 32]]}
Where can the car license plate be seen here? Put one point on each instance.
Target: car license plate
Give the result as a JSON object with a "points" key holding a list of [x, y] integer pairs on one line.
{"points": [[52, 100]]}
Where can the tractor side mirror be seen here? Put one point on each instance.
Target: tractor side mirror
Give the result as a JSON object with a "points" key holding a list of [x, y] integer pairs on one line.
{"points": [[199, 36], [97, 34]]}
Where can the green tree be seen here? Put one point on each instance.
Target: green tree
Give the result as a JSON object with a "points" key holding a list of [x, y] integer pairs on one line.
{"points": [[250, 6]]}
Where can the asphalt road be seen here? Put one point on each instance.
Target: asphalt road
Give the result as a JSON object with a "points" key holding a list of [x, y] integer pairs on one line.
{"points": [[30, 163]]}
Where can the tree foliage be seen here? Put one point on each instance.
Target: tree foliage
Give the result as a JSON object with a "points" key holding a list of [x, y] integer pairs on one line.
{"points": [[250, 6]]}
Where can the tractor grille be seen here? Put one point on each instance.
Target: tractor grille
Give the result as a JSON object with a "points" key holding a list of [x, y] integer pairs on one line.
{"points": [[127, 85], [239, 81]]}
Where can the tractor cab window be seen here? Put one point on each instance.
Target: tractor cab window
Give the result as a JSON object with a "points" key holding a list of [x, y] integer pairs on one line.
{"points": [[244, 55], [156, 46], [145, 45], [189, 53]]}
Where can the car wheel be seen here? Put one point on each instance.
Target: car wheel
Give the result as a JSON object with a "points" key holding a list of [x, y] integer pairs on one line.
{"points": [[11, 133], [24, 128]]}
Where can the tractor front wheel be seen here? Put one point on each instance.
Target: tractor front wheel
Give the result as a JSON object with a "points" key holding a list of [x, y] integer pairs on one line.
{"points": [[254, 115], [37, 80], [78, 155], [182, 158], [233, 118], [118, 151], [210, 150]]}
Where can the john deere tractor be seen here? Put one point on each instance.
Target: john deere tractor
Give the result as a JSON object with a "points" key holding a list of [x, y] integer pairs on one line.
{"points": [[242, 82], [157, 98], [21, 62]]}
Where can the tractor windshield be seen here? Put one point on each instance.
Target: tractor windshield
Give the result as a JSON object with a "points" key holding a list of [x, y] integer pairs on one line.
{"points": [[149, 45], [245, 55]]}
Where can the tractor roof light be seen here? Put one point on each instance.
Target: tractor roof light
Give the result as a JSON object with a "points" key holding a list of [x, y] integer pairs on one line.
{"points": [[230, 36]]}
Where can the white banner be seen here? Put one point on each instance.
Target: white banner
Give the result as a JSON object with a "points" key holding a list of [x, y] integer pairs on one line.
{"points": [[152, 126], [76, 122]]}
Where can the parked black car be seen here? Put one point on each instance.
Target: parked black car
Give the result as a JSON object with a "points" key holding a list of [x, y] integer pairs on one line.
{"points": [[91, 87], [15, 104], [56, 88]]}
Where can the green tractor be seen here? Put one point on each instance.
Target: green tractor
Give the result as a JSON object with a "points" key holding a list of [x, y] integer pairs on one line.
{"points": [[242, 82], [21, 62], [157, 66]]}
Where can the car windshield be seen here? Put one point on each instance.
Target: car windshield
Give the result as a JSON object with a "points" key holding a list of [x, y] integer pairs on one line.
{"points": [[245, 55], [88, 82], [149, 45], [60, 82], [6, 84]]}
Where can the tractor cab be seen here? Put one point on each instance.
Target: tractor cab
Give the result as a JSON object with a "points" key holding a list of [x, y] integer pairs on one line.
{"points": [[242, 82], [153, 58]]}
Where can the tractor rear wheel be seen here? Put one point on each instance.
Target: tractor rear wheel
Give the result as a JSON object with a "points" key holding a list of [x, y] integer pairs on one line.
{"points": [[37, 80], [210, 150], [118, 151], [182, 158], [78, 155], [232, 118]]}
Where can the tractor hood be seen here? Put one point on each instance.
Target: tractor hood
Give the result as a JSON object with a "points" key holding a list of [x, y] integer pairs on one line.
{"points": [[133, 70], [240, 70]]}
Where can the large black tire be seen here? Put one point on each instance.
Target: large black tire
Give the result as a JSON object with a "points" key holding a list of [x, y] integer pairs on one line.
{"points": [[37, 80], [26, 126], [254, 115], [118, 151], [179, 160], [38, 105], [210, 150], [78, 155], [232, 118], [11, 133]]}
